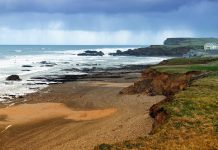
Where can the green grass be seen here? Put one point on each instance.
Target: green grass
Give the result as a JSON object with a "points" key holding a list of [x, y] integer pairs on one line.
{"points": [[203, 68], [183, 65], [194, 110], [188, 61], [199, 99], [172, 69], [185, 68]]}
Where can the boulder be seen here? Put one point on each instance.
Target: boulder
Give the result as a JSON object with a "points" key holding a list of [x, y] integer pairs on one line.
{"points": [[43, 62], [72, 69], [13, 78], [47, 64], [91, 53], [27, 66], [26, 70]]}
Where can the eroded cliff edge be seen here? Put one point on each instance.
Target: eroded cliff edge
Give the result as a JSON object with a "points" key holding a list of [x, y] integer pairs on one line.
{"points": [[188, 116], [155, 83]]}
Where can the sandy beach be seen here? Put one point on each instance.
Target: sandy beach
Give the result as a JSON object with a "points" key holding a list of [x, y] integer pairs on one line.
{"points": [[76, 115]]}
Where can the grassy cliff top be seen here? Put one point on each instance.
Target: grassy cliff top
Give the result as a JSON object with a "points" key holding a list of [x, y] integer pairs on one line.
{"points": [[189, 41]]}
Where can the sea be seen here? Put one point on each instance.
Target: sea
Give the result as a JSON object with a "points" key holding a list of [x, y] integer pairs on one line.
{"points": [[29, 61]]}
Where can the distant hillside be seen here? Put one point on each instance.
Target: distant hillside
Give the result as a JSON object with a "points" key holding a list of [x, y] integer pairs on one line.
{"points": [[189, 41]]}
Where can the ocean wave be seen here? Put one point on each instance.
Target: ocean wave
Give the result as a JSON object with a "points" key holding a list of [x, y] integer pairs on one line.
{"points": [[18, 51], [63, 59], [75, 52]]}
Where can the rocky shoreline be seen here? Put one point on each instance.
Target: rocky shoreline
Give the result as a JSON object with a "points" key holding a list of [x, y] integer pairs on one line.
{"points": [[94, 73]]}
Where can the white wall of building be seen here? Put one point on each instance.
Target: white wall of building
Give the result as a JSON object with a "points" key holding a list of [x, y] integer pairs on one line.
{"points": [[211, 46]]}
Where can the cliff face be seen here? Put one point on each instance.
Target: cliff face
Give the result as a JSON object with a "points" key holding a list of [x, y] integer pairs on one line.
{"points": [[158, 83], [189, 41]]}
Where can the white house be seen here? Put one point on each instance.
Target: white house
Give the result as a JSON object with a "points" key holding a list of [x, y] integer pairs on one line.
{"points": [[211, 46]]}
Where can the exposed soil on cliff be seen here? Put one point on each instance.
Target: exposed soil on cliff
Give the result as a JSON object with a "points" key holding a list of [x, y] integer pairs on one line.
{"points": [[159, 83]]}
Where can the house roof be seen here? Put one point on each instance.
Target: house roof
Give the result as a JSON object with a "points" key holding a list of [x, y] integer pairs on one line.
{"points": [[211, 44]]}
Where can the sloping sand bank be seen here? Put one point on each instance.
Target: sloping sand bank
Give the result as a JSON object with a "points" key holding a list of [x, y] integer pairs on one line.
{"points": [[31, 113]]}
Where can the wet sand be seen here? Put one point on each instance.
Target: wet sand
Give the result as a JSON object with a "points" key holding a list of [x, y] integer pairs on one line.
{"points": [[75, 115]]}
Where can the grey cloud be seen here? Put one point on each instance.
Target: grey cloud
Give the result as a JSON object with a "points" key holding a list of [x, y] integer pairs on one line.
{"points": [[94, 6]]}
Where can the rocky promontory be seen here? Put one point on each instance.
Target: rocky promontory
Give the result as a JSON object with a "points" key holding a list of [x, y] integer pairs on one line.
{"points": [[157, 50], [175, 47]]}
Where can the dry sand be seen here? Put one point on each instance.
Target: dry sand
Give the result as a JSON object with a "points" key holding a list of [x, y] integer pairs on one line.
{"points": [[75, 116], [32, 113]]}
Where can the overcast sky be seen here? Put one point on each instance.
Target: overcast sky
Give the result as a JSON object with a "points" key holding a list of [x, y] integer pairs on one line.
{"points": [[105, 21]]}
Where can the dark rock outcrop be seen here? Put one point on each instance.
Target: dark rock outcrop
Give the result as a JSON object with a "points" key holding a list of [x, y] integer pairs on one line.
{"points": [[72, 70], [26, 70], [13, 78], [47, 64], [27, 66], [93, 74], [91, 53], [58, 78]]}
